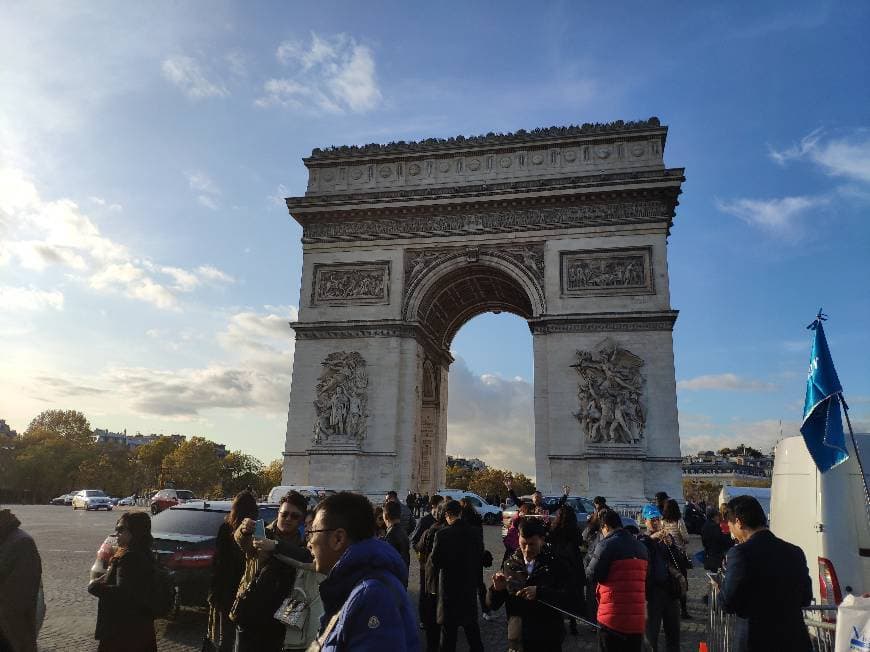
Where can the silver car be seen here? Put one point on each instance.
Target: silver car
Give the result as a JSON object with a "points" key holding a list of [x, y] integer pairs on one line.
{"points": [[91, 499]]}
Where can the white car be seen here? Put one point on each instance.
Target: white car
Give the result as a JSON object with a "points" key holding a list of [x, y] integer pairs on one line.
{"points": [[491, 514], [91, 499]]}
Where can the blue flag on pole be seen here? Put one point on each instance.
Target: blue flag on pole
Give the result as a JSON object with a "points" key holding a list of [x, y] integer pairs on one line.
{"points": [[822, 427]]}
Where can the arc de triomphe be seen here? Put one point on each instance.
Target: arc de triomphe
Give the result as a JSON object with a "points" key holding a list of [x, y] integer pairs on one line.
{"points": [[403, 243]]}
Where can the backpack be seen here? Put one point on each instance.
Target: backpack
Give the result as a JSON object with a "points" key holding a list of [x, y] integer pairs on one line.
{"points": [[162, 601]]}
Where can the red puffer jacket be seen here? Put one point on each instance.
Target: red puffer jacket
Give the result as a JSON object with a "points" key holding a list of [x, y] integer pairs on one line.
{"points": [[622, 597]]}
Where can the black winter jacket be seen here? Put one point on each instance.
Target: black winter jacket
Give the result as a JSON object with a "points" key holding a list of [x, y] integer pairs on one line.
{"points": [[542, 625]]}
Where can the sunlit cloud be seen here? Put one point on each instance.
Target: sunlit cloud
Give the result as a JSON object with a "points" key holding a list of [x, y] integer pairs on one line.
{"points": [[334, 74]]}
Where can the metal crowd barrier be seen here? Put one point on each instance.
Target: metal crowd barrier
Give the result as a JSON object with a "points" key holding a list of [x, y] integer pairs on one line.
{"points": [[722, 628]]}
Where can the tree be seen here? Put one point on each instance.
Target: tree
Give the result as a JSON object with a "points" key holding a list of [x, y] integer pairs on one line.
{"points": [[238, 471], [47, 465], [458, 478], [70, 425], [491, 481], [150, 457], [271, 475], [195, 466], [111, 470], [743, 450]]}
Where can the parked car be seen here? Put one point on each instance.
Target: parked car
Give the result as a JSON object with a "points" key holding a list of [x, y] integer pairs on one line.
{"points": [[168, 497], [65, 499], [128, 501], [91, 499], [491, 514], [184, 542], [583, 507]]}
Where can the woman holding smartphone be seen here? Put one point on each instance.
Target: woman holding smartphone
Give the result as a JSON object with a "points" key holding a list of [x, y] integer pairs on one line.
{"points": [[125, 622]]}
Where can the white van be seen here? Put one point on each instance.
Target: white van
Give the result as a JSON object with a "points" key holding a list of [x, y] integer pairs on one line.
{"points": [[824, 514], [491, 514]]}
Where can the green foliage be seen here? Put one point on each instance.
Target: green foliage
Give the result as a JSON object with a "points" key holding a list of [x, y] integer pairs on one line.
{"points": [[110, 469], [742, 450], [69, 425], [271, 475], [193, 465], [238, 471], [458, 478], [150, 460], [487, 481]]}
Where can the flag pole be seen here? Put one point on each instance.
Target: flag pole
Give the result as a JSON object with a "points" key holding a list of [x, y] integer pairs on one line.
{"points": [[857, 457]]}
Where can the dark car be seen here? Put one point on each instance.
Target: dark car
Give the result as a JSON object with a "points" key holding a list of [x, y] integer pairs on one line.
{"points": [[583, 507], [184, 542]]}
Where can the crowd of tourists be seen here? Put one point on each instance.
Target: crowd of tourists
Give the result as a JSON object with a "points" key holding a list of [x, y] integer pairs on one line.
{"points": [[335, 577]]}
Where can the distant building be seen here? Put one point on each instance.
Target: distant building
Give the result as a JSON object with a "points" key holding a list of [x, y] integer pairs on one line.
{"points": [[473, 464], [135, 441], [708, 465]]}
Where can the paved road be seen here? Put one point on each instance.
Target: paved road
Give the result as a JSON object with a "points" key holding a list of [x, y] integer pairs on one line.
{"points": [[68, 542]]}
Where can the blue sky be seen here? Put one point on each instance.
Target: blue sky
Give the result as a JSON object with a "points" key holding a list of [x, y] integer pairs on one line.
{"points": [[148, 267]]}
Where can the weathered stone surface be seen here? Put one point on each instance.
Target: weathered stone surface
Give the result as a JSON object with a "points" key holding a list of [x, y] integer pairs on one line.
{"points": [[404, 243]]}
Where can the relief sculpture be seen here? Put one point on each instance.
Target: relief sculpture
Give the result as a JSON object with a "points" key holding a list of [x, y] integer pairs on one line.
{"points": [[342, 395], [606, 272], [609, 393], [620, 272], [350, 284]]}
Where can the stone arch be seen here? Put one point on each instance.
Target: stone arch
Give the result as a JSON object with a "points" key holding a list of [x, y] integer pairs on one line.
{"points": [[459, 285]]}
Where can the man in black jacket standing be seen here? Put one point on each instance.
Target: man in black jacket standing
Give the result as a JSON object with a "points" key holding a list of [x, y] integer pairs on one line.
{"points": [[766, 582], [456, 557], [532, 574]]}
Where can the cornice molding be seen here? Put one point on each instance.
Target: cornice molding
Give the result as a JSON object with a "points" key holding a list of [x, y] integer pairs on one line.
{"points": [[604, 322], [521, 137]]}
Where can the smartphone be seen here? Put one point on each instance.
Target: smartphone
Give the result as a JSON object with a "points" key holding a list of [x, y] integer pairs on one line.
{"points": [[259, 529]]}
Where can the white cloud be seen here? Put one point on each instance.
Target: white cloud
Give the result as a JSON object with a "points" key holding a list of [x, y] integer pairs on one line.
{"points": [[847, 157], [727, 382], [186, 73], [36, 234], [699, 432], [331, 74], [205, 187], [254, 374], [778, 215], [17, 298], [490, 417], [211, 273]]}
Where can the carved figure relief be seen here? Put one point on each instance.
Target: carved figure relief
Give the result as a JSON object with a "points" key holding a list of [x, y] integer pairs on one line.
{"points": [[351, 284], [624, 271], [530, 256], [342, 395], [497, 222], [609, 393]]}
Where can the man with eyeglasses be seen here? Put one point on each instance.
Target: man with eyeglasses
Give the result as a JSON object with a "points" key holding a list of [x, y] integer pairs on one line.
{"points": [[283, 536], [366, 606]]}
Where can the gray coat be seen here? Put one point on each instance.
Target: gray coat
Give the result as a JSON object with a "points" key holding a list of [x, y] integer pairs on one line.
{"points": [[20, 580]]}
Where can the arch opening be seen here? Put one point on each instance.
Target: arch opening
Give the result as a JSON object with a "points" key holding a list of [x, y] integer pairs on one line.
{"points": [[466, 292]]}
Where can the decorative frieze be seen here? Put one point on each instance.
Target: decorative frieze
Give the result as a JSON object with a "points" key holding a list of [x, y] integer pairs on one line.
{"points": [[609, 395], [533, 219], [529, 256], [341, 399], [607, 272], [352, 283]]}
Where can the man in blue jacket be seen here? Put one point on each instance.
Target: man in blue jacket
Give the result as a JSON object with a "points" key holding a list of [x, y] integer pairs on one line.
{"points": [[365, 603], [766, 584]]}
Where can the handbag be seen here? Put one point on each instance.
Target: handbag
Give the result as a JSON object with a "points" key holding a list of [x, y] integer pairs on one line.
{"points": [[255, 604], [678, 585], [294, 612]]}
